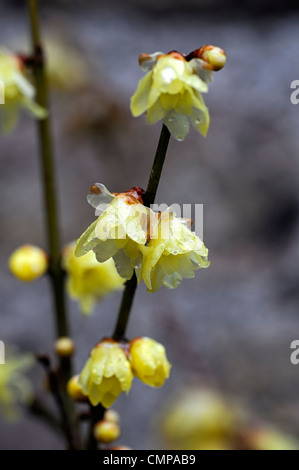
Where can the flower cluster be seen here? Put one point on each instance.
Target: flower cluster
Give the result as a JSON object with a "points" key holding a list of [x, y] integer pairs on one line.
{"points": [[17, 90], [171, 89], [159, 247], [112, 366], [87, 279]]}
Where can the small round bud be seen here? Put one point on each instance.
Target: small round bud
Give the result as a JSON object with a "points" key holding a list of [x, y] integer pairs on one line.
{"points": [[28, 263], [215, 56], [74, 390], [106, 431], [64, 347], [112, 416]]}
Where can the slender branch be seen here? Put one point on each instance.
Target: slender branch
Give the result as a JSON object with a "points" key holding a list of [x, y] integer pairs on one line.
{"points": [[97, 414], [125, 309], [47, 168], [154, 179], [48, 180]]}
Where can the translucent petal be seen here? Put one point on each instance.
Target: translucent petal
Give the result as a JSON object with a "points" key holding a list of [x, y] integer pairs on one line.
{"points": [[195, 82], [107, 249], [201, 119], [100, 200], [148, 63], [155, 112], [178, 125], [123, 264], [140, 99], [204, 74], [87, 241]]}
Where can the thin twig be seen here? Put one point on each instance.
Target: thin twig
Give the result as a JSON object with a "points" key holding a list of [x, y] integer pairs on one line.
{"points": [[48, 180]]}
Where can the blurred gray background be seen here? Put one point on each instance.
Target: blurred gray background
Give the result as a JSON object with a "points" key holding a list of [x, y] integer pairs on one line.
{"points": [[234, 322]]}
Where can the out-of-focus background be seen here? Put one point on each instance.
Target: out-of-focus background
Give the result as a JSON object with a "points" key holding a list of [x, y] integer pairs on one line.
{"points": [[232, 325]]}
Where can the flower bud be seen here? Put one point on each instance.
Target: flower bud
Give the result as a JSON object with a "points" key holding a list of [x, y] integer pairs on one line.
{"points": [[213, 55], [149, 362], [112, 416], [28, 263], [105, 431], [74, 390], [64, 347]]}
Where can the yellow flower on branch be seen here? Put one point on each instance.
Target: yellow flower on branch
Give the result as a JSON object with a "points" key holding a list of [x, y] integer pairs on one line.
{"points": [[119, 231], [106, 374], [149, 361], [173, 252], [17, 91], [87, 279], [159, 247], [15, 388], [171, 90]]}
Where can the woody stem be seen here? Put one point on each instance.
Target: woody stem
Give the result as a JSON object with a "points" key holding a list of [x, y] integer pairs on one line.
{"points": [[48, 180]]}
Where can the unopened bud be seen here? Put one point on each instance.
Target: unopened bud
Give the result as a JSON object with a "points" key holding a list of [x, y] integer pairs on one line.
{"points": [[106, 431], [64, 347], [213, 55], [74, 390], [112, 416], [28, 263]]}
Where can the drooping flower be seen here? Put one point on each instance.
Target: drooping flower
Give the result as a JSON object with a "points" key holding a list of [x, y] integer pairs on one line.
{"points": [[88, 281], [159, 247], [173, 252], [149, 362], [17, 91], [15, 388], [171, 90], [119, 231], [28, 263], [106, 374]]}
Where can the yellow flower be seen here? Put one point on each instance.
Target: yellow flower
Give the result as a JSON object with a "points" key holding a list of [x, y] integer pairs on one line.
{"points": [[28, 263], [106, 374], [119, 231], [149, 361], [14, 386], [174, 252], [18, 91], [87, 279], [171, 90]]}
